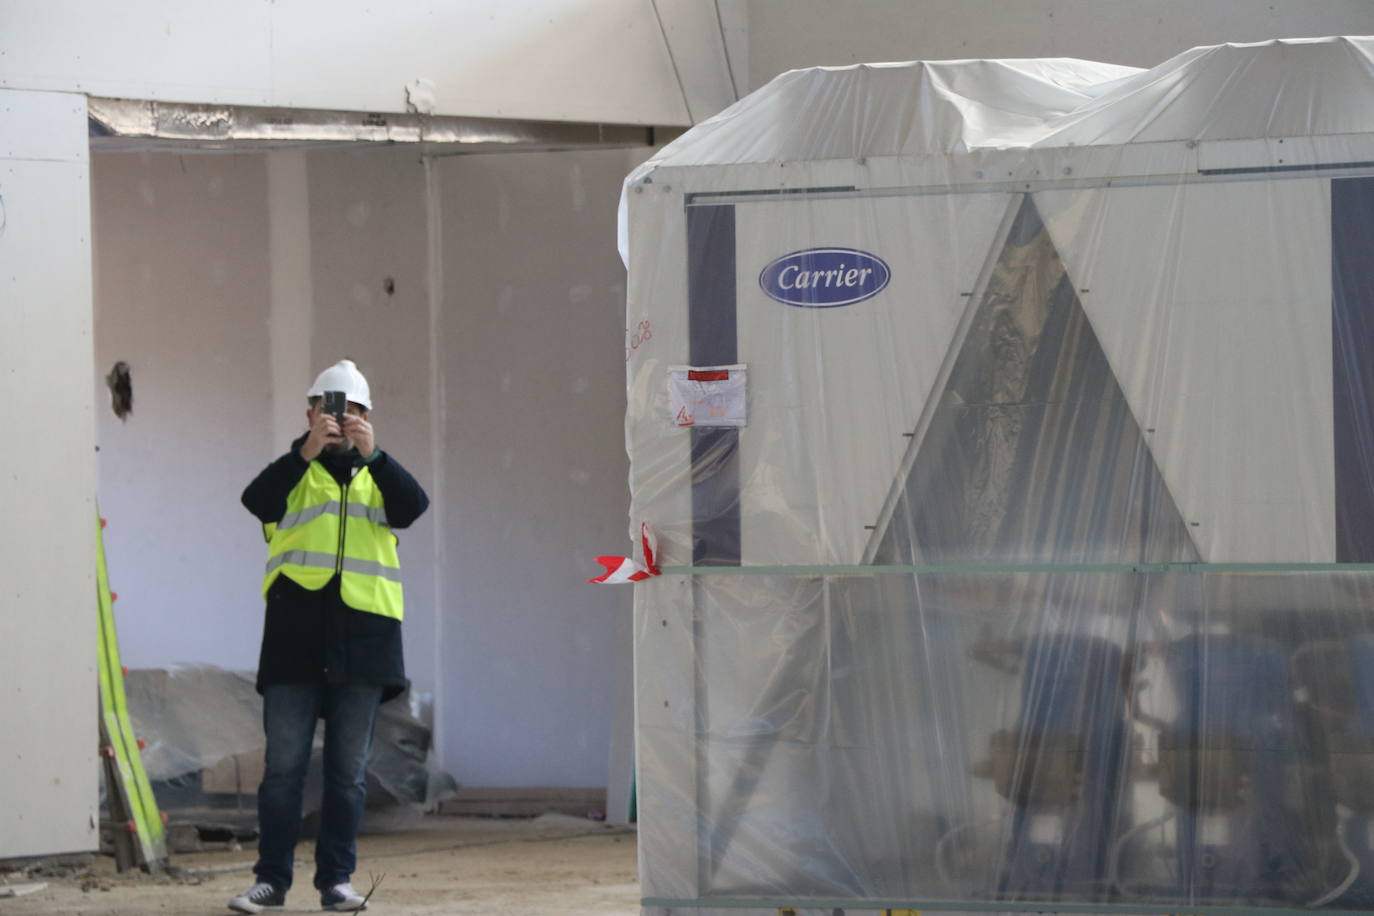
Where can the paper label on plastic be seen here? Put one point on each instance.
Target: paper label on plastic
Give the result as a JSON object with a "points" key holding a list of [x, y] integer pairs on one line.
{"points": [[708, 395]]}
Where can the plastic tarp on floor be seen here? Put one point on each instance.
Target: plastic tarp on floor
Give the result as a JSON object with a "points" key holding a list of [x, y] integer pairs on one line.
{"points": [[1006, 429]]}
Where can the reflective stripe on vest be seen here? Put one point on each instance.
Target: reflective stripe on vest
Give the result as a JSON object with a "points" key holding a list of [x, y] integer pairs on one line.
{"points": [[330, 562], [305, 545], [355, 510]]}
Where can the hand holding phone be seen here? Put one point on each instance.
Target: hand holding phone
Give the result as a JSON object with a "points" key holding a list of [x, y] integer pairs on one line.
{"points": [[326, 425], [336, 405]]}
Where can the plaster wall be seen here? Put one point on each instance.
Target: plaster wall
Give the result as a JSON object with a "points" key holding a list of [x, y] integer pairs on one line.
{"points": [[483, 298], [367, 235], [48, 763], [181, 294], [559, 60], [534, 464], [787, 34]]}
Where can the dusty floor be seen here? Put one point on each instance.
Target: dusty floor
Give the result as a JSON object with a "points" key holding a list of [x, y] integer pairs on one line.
{"points": [[547, 865]]}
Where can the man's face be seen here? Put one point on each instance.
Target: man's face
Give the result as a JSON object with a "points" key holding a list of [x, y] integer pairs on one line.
{"points": [[337, 447]]}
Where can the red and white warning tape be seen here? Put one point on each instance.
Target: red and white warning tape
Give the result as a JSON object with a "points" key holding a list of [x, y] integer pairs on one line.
{"points": [[625, 569]]}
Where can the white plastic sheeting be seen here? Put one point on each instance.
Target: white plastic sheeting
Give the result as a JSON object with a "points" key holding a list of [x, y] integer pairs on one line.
{"points": [[197, 717], [1041, 573]]}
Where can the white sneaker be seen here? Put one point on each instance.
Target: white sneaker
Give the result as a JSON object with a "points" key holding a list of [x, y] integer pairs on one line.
{"points": [[259, 897], [342, 898]]}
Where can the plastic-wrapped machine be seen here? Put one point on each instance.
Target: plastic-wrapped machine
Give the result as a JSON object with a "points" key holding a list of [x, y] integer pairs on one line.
{"points": [[1006, 429]]}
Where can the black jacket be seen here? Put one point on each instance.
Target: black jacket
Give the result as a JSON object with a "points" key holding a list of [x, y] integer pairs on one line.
{"points": [[312, 637]]}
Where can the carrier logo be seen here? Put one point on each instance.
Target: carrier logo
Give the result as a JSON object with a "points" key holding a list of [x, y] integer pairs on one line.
{"points": [[822, 278]]}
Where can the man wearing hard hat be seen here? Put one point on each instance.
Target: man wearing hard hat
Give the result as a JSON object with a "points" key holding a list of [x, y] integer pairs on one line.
{"points": [[331, 642]]}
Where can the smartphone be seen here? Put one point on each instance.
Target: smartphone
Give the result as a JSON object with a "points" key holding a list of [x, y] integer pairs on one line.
{"points": [[336, 403]]}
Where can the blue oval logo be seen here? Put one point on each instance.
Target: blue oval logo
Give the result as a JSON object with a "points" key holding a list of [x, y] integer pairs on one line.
{"points": [[824, 278]]}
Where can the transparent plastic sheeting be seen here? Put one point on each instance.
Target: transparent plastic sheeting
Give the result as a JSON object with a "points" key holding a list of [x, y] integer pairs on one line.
{"points": [[194, 717], [1088, 737], [1041, 574]]}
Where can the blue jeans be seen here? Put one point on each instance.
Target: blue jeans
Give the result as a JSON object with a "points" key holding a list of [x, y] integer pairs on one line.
{"points": [[289, 713]]}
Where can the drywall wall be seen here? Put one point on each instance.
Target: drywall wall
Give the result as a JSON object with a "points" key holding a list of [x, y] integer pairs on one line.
{"points": [[787, 34], [182, 280], [48, 763], [369, 256], [483, 297], [618, 61], [227, 282], [534, 462]]}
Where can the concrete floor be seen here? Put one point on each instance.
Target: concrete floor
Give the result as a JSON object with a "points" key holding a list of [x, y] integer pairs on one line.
{"points": [[441, 865]]}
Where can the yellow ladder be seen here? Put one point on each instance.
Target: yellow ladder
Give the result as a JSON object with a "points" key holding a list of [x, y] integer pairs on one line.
{"points": [[139, 832]]}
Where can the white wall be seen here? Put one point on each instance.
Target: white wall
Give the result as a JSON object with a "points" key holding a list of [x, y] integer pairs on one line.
{"points": [[495, 366], [786, 34], [226, 300], [561, 60], [533, 388], [181, 294], [48, 763], [368, 224]]}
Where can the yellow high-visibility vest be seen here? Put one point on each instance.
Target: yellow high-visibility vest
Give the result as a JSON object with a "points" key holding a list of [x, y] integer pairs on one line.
{"points": [[330, 528]]}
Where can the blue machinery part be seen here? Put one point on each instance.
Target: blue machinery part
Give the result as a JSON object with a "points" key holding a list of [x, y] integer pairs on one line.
{"points": [[1249, 776], [1061, 766], [1229, 765]]}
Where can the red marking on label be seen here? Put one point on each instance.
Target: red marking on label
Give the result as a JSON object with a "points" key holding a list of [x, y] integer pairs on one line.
{"points": [[708, 375], [684, 418]]}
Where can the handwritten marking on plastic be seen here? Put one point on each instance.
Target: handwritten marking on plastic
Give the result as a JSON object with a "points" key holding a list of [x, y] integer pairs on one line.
{"points": [[643, 333], [713, 412]]}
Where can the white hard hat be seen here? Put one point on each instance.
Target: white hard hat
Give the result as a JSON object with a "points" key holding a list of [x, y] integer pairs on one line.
{"points": [[343, 376]]}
